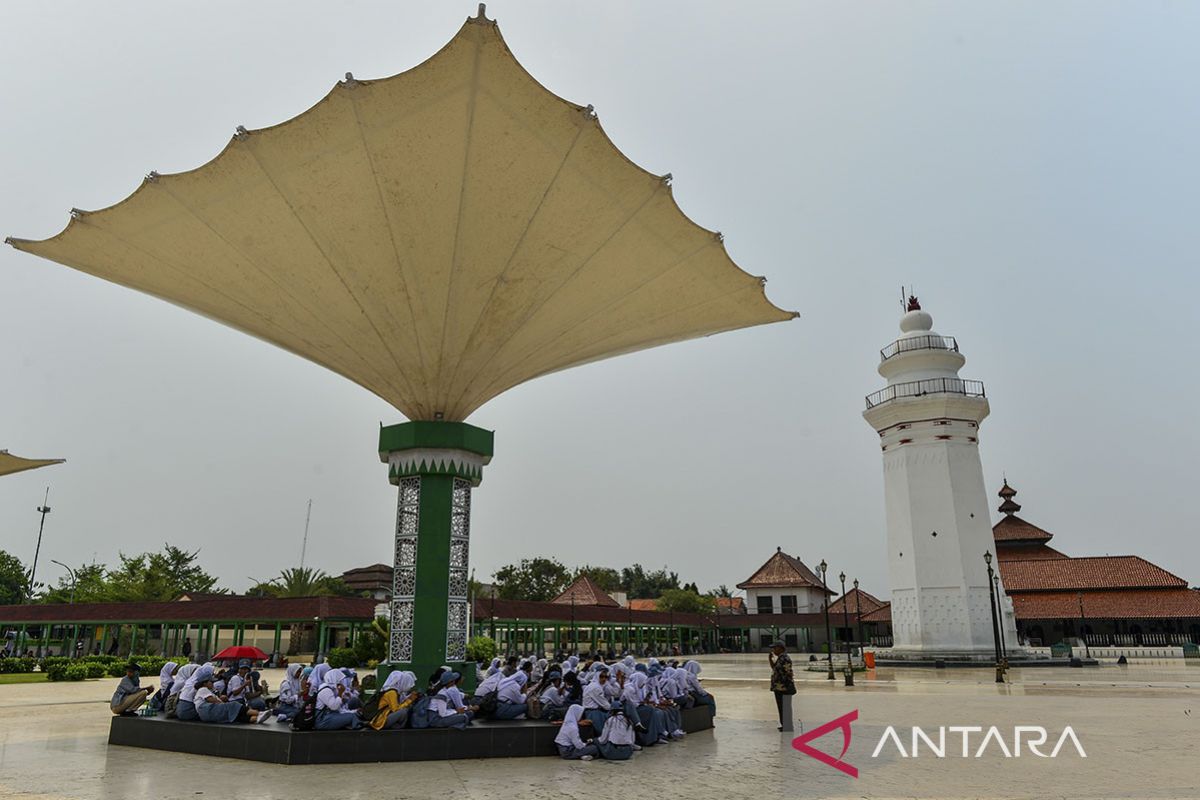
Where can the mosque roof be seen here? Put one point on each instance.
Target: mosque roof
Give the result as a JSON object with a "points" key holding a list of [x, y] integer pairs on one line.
{"points": [[1118, 604], [857, 601], [1089, 572]]}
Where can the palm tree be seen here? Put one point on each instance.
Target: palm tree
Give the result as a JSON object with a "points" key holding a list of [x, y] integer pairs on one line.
{"points": [[301, 582]]}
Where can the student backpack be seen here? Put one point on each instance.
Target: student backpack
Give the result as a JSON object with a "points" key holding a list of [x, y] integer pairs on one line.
{"points": [[419, 718], [306, 717]]}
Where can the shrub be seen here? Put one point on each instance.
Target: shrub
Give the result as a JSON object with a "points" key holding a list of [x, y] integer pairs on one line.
{"points": [[481, 648], [116, 670], [340, 657], [370, 645], [55, 672], [95, 670], [10, 665], [76, 672]]}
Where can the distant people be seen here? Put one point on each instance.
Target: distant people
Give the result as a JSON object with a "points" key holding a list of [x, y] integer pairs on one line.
{"points": [[112, 648], [187, 647], [782, 681], [129, 695]]}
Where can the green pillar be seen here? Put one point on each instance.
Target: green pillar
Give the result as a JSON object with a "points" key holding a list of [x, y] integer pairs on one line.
{"points": [[278, 637], [435, 465]]}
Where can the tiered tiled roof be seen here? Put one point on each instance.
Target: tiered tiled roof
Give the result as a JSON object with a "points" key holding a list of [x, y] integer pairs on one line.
{"points": [[1025, 551], [227, 608], [1119, 604], [644, 604], [881, 614], [1092, 572], [1014, 529], [730, 605], [584, 591], [856, 599], [781, 572]]}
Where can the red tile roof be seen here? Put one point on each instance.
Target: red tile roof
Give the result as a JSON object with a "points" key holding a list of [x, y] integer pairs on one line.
{"points": [[730, 605], [644, 604], [881, 614], [1014, 529], [486, 608], [1093, 572], [585, 592], [1112, 604], [230, 608], [1023, 551], [863, 601], [782, 571]]}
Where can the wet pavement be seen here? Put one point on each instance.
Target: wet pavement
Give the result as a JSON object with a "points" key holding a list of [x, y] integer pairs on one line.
{"points": [[1138, 725]]}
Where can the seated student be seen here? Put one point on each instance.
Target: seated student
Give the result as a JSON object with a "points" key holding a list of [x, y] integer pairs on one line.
{"points": [[596, 702], [656, 697], [570, 743], [553, 697], [510, 697], [617, 741], [165, 677], [129, 696], [185, 709], [652, 721], [692, 676], [485, 692], [331, 712], [211, 707], [446, 710], [241, 688], [352, 700], [317, 677], [181, 677], [396, 699], [291, 692], [435, 680]]}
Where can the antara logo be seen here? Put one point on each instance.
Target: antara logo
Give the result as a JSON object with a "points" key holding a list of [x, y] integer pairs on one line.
{"points": [[1034, 737]]}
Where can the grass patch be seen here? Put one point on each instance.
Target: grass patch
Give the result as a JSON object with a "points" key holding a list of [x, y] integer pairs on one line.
{"points": [[23, 677]]}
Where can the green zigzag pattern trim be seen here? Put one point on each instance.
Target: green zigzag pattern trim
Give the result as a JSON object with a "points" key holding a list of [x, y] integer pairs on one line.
{"points": [[446, 467]]}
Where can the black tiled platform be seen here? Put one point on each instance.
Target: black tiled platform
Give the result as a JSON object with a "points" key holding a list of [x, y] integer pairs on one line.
{"points": [[278, 744]]}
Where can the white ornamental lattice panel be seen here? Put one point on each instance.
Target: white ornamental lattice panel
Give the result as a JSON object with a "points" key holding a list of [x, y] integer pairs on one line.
{"points": [[404, 570]]}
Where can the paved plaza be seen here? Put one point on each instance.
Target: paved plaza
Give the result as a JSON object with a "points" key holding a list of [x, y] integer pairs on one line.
{"points": [[1137, 724]]}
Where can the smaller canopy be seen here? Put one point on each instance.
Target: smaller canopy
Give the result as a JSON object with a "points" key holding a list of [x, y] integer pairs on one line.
{"points": [[10, 463], [238, 652]]}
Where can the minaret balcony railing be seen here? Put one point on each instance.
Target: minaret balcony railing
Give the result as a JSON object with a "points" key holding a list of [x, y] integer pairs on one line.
{"points": [[912, 343], [928, 386]]}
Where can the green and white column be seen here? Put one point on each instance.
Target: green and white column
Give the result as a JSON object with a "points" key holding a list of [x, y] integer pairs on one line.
{"points": [[435, 465]]}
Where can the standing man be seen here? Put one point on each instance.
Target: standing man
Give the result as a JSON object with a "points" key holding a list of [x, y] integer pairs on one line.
{"points": [[782, 682], [187, 648]]}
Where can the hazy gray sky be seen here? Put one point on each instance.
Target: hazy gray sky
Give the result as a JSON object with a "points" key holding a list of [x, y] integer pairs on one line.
{"points": [[1032, 168]]}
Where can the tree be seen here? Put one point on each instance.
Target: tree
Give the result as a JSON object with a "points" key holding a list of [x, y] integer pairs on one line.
{"points": [[302, 582], [686, 601], [643, 585], [721, 591], [90, 586], [539, 579], [13, 579], [606, 578], [153, 577]]}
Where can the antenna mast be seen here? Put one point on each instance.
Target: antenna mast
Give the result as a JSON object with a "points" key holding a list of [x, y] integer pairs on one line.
{"points": [[304, 547]]}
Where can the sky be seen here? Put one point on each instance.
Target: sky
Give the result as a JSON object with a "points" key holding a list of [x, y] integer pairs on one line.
{"points": [[1031, 168]]}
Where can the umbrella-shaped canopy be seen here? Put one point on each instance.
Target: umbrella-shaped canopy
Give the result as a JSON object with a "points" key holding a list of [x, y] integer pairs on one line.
{"points": [[241, 651], [10, 463], [437, 237]]}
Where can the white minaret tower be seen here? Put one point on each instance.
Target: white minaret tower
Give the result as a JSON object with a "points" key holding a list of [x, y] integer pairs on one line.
{"points": [[938, 526]]}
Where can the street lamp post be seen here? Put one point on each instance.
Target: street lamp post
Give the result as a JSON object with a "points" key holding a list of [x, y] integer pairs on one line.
{"points": [[846, 621], [858, 616], [75, 628], [828, 635], [987, 557], [43, 509], [573, 642], [1087, 651], [1000, 615]]}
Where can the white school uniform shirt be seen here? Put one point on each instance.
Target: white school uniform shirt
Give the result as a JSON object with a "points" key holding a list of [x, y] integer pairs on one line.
{"points": [[568, 734], [490, 684], [553, 696], [454, 696], [327, 697], [617, 730], [594, 696], [202, 695], [512, 690], [440, 704], [188, 693], [237, 686]]}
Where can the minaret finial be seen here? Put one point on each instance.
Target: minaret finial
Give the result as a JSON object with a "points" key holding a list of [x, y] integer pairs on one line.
{"points": [[913, 303]]}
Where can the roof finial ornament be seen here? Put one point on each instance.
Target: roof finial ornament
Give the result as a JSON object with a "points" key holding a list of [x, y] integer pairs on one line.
{"points": [[349, 82], [152, 176], [1007, 493], [241, 134], [913, 303], [481, 16]]}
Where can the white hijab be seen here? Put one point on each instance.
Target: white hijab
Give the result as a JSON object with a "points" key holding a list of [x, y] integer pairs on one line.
{"points": [[185, 672], [494, 668], [318, 676], [402, 682], [166, 674], [293, 678], [568, 734]]}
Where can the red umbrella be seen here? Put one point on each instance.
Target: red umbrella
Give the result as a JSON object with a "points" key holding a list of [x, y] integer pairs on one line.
{"points": [[241, 651]]}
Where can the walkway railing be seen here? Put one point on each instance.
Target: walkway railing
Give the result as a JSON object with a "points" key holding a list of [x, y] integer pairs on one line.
{"points": [[912, 343], [1140, 639], [924, 387]]}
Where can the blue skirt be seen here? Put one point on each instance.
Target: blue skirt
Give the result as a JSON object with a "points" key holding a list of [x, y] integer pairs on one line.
{"points": [[186, 711], [219, 712]]}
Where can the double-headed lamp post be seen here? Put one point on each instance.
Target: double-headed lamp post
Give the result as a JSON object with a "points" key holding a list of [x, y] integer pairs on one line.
{"points": [[828, 635], [987, 557], [846, 621]]}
